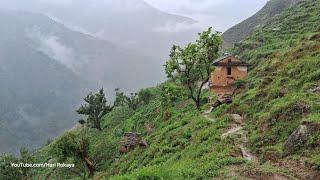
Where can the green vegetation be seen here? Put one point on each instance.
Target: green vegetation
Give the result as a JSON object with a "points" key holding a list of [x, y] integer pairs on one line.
{"points": [[9, 172], [279, 93], [134, 100], [95, 108], [279, 96], [193, 64], [242, 30]]}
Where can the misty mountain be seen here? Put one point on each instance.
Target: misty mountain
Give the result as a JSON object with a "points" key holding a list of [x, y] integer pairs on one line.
{"points": [[45, 70], [37, 93], [53, 52], [128, 23], [242, 30]]}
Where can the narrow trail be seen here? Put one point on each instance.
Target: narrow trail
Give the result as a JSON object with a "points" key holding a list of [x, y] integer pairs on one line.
{"points": [[206, 115], [241, 140], [231, 131], [236, 128]]}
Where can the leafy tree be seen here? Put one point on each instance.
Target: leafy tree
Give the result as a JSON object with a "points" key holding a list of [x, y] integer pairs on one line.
{"points": [[121, 98], [134, 100], [95, 108], [193, 64], [145, 96], [9, 172], [6, 170], [169, 94], [76, 148], [26, 157]]}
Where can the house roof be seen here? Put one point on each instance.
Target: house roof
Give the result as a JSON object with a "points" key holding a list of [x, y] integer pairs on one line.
{"points": [[221, 58], [216, 62]]}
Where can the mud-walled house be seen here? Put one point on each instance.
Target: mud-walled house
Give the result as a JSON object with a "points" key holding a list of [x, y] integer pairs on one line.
{"points": [[228, 70]]}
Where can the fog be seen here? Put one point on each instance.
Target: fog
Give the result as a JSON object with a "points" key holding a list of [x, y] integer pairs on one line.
{"points": [[221, 14], [53, 52], [51, 46]]}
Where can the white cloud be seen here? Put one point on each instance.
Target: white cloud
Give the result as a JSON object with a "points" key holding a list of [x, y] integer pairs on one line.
{"points": [[174, 27], [51, 46], [221, 14], [57, 2]]}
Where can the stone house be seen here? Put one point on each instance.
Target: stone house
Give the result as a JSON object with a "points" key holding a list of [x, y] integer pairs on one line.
{"points": [[228, 70]]}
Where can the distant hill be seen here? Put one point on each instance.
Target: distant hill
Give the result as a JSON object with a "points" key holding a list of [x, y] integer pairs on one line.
{"points": [[46, 69], [242, 30], [132, 24], [270, 131], [53, 52], [37, 93]]}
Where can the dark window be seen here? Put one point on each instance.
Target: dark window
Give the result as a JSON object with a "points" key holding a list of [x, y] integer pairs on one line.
{"points": [[229, 71]]}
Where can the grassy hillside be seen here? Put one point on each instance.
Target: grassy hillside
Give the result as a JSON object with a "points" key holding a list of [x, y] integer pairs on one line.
{"points": [[242, 30], [281, 93], [243, 140]]}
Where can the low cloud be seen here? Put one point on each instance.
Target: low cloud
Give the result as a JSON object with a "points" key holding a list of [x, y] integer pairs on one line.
{"points": [[100, 34], [221, 14], [174, 27], [51, 46], [57, 2]]}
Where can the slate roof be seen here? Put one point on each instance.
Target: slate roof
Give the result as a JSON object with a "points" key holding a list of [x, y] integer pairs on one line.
{"points": [[216, 62]]}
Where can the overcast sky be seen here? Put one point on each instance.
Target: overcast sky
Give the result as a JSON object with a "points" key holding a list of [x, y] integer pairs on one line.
{"points": [[221, 14]]}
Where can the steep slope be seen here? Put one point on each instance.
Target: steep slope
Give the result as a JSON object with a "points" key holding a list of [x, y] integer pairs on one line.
{"points": [[280, 96], [37, 93], [242, 30], [95, 60], [46, 68]]}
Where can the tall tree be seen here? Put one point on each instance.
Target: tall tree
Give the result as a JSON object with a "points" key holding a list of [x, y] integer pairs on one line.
{"points": [[75, 147], [134, 100], [193, 64], [95, 108]]}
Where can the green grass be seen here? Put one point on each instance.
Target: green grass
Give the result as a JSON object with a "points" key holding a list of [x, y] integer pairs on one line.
{"points": [[275, 100]]}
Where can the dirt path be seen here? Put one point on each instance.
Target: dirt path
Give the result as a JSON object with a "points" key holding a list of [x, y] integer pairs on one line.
{"points": [[206, 115], [233, 130], [297, 168], [237, 129]]}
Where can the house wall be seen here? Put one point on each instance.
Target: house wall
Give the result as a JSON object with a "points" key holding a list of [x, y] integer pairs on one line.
{"points": [[221, 82]]}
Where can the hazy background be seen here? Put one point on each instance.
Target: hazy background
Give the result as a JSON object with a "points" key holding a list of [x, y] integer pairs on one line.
{"points": [[221, 14], [53, 52]]}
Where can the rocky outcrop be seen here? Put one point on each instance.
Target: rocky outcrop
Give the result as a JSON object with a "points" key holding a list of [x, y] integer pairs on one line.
{"points": [[317, 89], [300, 136]]}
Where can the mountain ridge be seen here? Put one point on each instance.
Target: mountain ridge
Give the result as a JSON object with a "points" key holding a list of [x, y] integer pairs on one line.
{"points": [[80, 62], [240, 31], [269, 131]]}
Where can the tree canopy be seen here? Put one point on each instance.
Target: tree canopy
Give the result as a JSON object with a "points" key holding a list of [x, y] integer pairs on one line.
{"points": [[193, 63], [95, 108]]}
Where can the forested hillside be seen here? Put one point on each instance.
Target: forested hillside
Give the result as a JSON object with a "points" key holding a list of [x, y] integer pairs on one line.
{"points": [[270, 131]]}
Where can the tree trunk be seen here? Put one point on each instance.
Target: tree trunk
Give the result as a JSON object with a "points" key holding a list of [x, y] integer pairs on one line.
{"points": [[198, 103], [90, 166], [97, 124]]}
